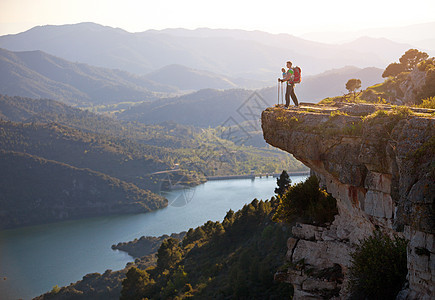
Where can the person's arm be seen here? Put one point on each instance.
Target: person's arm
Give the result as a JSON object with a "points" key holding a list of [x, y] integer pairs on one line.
{"points": [[288, 76], [285, 78]]}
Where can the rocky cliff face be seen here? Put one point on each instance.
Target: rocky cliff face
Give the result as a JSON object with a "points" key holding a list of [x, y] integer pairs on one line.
{"points": [[413, 85], [381, 170]]}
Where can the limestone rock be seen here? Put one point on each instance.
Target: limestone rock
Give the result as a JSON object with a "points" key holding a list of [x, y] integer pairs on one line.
{"points": [[380, 170], [307, 232], [412, 85]]}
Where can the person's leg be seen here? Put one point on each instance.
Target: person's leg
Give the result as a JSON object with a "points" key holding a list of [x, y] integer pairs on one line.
{"points": [[293, 95], [287, 95]]}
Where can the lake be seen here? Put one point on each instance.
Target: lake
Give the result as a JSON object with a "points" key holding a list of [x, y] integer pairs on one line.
{"points": [[34, 259]]}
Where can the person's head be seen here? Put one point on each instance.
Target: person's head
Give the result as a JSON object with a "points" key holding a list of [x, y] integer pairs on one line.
{"points": [[289, 64], [283, 70]]}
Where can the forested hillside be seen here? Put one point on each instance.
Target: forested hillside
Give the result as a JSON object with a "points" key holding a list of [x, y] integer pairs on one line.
{"points": [[35, 190], [40, 75], [235, 258], [185, 78], [202, 151], [120, 159], [204, 108], [27, 110]]}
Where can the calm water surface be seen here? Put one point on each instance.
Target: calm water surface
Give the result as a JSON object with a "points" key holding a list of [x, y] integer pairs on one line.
{"points": [[34, 259]]}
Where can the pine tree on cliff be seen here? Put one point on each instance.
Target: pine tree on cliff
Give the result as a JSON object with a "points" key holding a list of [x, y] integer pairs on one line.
{"points": [[407, 63], [283, 183]]}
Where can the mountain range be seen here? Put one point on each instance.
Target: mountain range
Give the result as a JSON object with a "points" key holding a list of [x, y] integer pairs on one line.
{"points": [[235, 53], [419, 35], [211, 107], [333, 82], [203, 108], [39, 75], [184, 78]]}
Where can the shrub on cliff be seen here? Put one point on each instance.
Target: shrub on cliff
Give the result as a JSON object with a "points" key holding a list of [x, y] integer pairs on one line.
{"points": [[386, 121], [378, 267], [306, 202]]}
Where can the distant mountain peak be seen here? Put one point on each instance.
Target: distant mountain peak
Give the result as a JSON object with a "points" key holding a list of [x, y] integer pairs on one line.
{"points": [[377, 40], [233, 52], [68, 28]]}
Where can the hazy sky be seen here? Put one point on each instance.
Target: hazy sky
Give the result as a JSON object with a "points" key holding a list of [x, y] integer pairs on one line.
{"points": [[290, 16]]}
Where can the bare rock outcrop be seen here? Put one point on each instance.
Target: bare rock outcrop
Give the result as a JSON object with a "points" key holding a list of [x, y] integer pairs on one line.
{"points": [[378, 161], [413, 85]]}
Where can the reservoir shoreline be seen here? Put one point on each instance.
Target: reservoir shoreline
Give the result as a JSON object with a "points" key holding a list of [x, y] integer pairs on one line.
{"points": [[35, 259]]}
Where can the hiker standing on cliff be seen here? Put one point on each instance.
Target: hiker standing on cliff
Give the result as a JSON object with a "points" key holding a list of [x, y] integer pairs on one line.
{"points": [[290, 90]]}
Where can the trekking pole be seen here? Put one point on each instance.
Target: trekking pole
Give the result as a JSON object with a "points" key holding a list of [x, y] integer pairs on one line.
{"points": [[278, 90], [282, 93]]}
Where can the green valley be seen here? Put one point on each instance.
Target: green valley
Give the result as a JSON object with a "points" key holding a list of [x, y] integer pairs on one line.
{"points": [[147, 156]]}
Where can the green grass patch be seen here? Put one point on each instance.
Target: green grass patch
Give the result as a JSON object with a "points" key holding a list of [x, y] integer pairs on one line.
{"points": [[427, 103], [286, 120], [337, 113]]}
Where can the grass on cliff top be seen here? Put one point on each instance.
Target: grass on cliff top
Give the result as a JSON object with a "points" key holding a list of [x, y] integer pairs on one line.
{"points": [[335, 101], [396, 112], [330, 128], [427, 103], [336, 125]]}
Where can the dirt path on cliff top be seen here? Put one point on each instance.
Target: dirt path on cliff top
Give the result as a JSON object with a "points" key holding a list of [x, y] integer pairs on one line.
{"points": [[355, 108]]}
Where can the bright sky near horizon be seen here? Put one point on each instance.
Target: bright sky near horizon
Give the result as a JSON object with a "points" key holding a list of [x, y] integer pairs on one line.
{"points": [[289, 16]]}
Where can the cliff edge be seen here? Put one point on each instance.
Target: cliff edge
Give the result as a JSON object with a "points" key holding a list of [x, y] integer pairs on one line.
{"points": [[378, 161]]}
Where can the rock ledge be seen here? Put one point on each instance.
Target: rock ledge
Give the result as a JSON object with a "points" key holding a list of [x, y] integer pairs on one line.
{"points": [[378, 161]]}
